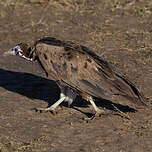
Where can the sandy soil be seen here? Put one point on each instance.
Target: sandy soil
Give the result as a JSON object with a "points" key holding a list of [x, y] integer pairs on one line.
{"points": [[119, 31]]}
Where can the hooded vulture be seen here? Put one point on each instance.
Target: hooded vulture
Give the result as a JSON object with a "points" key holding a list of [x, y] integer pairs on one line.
{"points": [[78, 71]]}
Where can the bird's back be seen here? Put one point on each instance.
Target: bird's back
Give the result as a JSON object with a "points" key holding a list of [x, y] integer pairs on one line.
{"points": [[82, 70]]}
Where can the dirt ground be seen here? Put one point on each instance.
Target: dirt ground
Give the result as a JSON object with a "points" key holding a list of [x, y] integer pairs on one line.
{"points": [[119, 31]]}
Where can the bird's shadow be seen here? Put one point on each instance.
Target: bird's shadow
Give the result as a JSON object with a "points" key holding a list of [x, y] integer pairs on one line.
{"points": [[29, 85], [36, 87], [102, 103]]}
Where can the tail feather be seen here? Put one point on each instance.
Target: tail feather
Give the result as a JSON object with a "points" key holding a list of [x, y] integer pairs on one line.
{"points": [[138, 98]]}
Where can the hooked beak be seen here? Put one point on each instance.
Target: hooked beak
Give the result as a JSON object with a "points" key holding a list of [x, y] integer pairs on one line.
{"points": [[8, 53]]}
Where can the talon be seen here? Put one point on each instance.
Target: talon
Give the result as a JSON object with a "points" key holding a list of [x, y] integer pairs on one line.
{"points": [[90, 118], [35, 109], [40, 111], [52, 110], [99, 113]]}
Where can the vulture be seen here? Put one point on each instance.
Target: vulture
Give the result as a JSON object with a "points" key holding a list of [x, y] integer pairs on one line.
{"points": [[78, 71]]}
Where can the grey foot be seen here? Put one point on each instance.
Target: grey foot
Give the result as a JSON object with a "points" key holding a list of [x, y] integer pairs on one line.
{"points": [[49, 109], [98, 113]]}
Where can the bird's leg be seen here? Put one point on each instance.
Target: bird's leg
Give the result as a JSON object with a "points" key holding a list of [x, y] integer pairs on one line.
{"points": [[70, 96], [66, 95], [98, 112], [53, 107]]}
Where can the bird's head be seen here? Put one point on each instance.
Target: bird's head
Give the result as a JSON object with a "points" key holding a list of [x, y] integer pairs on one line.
{"points": [[22, 50]]}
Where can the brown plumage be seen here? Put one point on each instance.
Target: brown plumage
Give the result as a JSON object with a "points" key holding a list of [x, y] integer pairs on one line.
{"points": [[80, 70]]}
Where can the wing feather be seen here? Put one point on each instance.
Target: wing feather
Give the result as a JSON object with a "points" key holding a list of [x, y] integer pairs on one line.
{"points": [[81, 69]]}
